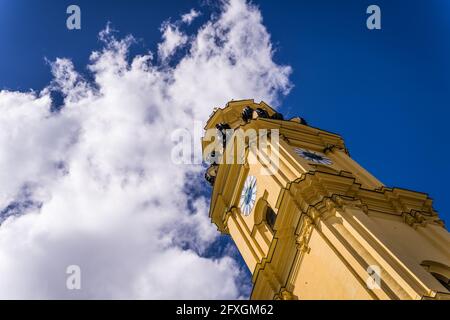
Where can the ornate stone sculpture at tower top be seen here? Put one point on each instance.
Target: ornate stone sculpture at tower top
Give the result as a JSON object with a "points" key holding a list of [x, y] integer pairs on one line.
{"points": [[319, 226]]}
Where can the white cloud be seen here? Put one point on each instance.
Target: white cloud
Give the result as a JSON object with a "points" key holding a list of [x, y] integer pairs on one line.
{"points": [[108, 197], [172, 39], [190, 16]]}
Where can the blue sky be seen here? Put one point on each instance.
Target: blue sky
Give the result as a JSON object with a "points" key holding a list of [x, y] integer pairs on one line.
{"points": [[387, 91]]}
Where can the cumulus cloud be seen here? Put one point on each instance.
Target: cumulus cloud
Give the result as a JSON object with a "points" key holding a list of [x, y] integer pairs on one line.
{"points": [[190, 16], [93, 183], [172, 39]]}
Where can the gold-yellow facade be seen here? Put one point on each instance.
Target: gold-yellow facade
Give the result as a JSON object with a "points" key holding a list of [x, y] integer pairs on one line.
{"points": [[321, 224]]}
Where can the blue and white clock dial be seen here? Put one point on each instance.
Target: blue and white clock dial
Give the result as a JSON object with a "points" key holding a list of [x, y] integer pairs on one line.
{"points": [[313, 156], [248, 195]]}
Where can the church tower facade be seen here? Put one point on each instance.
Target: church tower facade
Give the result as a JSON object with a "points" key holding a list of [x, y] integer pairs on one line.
{"points": [[320, 226]]}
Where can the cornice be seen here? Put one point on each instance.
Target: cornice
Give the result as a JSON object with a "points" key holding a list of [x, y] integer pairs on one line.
{"points": [[319, 193]]}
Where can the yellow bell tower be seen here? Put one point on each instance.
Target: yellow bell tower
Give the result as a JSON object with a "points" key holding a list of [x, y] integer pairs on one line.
{"points": [[321, 226]]}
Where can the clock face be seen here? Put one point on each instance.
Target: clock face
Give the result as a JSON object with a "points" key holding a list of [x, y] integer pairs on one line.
{"points": [[248, 195], [313, 156]]}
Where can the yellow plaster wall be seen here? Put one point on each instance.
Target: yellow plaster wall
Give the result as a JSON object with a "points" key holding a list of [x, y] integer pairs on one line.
{"points": [[322, 275]]}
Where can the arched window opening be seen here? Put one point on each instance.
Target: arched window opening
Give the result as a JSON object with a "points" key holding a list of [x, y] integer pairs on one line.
{"points": [[439, 271], [271, 217], [443, 280]]}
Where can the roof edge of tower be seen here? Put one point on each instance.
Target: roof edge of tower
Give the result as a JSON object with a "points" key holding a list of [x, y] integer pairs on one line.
{"points": [[233, 110]]}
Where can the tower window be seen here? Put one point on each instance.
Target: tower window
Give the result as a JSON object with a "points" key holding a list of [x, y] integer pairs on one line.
{"points": [[442, 280], [271, 217], [439, 271]]}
